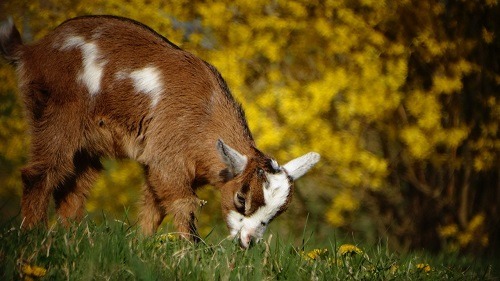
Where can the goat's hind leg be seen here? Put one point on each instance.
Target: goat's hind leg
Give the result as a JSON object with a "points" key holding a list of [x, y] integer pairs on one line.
{"points": [[53, 146], [70, 197], [40, 178], [36, 194]]}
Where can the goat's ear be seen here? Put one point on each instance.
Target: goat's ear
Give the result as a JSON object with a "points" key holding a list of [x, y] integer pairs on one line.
{"points": [[299, 166], [235, 161]]}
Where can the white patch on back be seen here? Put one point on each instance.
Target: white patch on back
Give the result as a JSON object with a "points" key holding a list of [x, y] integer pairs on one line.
{"points": [[276, 192], [148, 80], [72, 42], [92, 68], [92, 62]]}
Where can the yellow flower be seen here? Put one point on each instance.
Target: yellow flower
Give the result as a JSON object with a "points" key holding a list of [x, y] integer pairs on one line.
{"points": [[424, 267], [448, 230], [166, 237], [476, 222], [488, 35], [348, 249], [393, 269], [33, 271], [315, 254], [162, 239]]}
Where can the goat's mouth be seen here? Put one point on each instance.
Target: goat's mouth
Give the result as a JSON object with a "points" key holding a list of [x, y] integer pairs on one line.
{"points": [[246, 243]]}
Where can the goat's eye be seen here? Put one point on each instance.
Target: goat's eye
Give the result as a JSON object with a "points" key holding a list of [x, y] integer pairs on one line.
{"points": [[260, 172], [263, 223]]}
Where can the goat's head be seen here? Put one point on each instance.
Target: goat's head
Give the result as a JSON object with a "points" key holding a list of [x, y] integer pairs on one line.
{"points": [[257, 190]]}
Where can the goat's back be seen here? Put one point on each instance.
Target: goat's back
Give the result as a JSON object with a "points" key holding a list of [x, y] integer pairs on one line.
{"points": [[129, 81]]}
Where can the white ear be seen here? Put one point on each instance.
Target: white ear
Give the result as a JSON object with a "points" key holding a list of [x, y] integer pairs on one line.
{"points": [[299, 166], [234, 161]]}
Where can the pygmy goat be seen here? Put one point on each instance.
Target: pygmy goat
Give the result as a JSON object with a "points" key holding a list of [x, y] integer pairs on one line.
{"points": [[103, 86]]}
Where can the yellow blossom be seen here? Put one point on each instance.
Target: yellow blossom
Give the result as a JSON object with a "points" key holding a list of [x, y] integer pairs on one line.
{"points": [[162, 238], [424, 267], [393, 269], [476, 222], [315, 254], [488, 36], [33, 270], [448, 230], [464, 239], [348, 249]]}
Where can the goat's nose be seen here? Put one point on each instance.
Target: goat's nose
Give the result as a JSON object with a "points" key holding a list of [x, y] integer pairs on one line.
{"points": [[246, 240]]}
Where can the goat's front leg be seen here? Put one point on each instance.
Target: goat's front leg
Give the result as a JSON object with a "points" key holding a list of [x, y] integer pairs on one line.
{"points": [[175, 197], [183, 211]]}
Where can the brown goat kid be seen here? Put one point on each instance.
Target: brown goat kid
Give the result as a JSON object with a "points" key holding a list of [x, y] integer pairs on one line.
{"points": [[102, 86]]}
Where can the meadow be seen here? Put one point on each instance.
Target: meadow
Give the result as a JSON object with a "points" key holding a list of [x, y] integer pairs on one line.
{"points": [[115, 250]]}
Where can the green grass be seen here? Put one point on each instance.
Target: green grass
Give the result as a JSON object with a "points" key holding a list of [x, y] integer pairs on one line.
{"points": [[115, 251]]}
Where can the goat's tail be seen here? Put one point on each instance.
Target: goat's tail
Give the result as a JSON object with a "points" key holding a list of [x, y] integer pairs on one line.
{"points": [[10, 41]]}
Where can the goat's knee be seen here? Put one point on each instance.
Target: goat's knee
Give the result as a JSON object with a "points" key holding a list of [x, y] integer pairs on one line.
{"points": [[183, 211]]}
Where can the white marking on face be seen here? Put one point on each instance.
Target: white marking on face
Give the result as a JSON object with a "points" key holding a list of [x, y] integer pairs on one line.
{"points": [[148, 80], [92, 62], [276, 192]]}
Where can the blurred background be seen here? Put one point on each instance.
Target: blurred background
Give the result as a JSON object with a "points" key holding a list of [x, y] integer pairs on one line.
{"points": [[401, 99]]}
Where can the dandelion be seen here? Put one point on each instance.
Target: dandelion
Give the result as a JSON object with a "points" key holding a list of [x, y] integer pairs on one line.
{"points": [[167, 237], [424, 267], [348, 249], [315, 254], [161, 240], [31, 272], [393, 269], [164, 238]]}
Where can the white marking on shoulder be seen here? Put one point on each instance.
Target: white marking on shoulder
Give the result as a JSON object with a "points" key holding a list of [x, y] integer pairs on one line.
{"points": [[148, 80]]}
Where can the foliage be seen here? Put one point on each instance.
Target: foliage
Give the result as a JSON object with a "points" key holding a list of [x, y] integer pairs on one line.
{"points": [[399, 97], [114, 251]]}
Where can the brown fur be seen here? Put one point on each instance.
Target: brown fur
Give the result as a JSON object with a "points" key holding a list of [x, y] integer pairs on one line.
{"points": [[71, 130]]}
